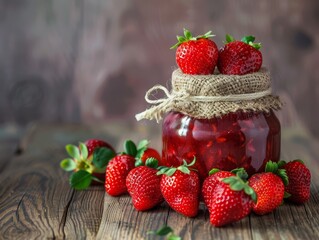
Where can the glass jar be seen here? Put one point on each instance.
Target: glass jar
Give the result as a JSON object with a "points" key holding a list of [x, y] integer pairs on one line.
{"points": [[234, 140]]}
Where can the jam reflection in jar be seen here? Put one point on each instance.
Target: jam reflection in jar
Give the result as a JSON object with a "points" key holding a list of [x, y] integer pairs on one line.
{"points": [[234, 140]]}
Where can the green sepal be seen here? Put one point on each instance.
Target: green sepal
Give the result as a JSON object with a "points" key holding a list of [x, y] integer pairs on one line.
{"points": [[299, 160], [283, 175], [138, 163], [130, 148], [281, 163], [80, 180], [73, 151], [143, 144], [141, 147], [170, 171], [151, 162], [184, 169], [229, 38], [84, 150], [271, 167], [188, 37], [241, 173], [287, 195], [213, 171], [68, 164], [248, 39], [102, 156], [237, 184]]}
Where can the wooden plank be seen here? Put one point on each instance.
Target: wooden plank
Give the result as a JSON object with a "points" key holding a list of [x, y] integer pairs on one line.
{"points": [[121, 221], [36, 200]]}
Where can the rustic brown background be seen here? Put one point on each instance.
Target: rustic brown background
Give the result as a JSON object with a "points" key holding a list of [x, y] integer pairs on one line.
{"points": [[90, 61]]}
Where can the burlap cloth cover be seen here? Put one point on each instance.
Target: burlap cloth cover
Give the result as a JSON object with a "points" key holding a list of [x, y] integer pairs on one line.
{"points": [[208, 96]]}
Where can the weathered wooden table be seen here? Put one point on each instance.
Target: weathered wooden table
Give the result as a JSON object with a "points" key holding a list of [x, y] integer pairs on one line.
{"points": [[36, 201]]}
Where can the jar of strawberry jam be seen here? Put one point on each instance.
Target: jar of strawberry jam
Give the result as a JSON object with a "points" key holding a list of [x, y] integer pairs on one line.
{"points": [[225, 121], [234, 140]]}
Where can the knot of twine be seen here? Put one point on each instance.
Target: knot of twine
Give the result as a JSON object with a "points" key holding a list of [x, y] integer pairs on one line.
{"points": [[163, 105]]}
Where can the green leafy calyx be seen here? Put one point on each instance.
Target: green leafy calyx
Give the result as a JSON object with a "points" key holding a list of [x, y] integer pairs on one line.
{"points": [[250, 41], [189, 37], [134, 150], [236, 183], [184, 168], [273, 167], [213, 171], [229, 38], [152, 163]]}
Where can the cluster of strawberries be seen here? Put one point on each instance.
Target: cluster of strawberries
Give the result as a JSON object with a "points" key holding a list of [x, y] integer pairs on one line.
{"points": [[199, 55], [228, 195]]}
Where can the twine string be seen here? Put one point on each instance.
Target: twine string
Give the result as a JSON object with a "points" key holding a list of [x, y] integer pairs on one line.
{"points": [[165, 104]]}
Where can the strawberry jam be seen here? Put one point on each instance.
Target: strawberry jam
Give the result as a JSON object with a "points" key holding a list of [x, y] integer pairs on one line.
{"points": [[234, 140]]}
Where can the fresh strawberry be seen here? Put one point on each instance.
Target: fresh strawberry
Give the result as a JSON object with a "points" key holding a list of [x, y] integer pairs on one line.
{"points": [[231, 199], [143, 184], [210, 183], [269, 188], [196, 55], [88, 161], [151, 153], [92, 144], [181, 188], [116, 173], [239, 57], [299, 181]]}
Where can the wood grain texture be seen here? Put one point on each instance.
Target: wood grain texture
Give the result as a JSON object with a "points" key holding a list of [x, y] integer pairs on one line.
{"points": [[35, 198], [94, 60]]}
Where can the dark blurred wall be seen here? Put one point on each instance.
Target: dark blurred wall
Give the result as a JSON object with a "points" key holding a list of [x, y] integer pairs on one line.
{"points": [[93, 60]]}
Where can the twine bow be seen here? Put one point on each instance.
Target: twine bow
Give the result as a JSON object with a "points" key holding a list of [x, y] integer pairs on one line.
{"points": [[163, 105]]}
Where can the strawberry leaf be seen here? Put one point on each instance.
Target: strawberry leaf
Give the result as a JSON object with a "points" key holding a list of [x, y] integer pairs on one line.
{"points": [[229, 38], [281, 163], [151, 162], [299, 160], [130, 148], [271, 167], [102, 156], [213, 171], [73, 151], [143, 144], [170, 171], [68, 164], [248, 39], [173, 237], [283, 175], [138, 162], [287, 195], [84, 150], [162, 170], [187, 34], [184, 169], [164, 231], [241, 173], [237, 186], [80, 180]]}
